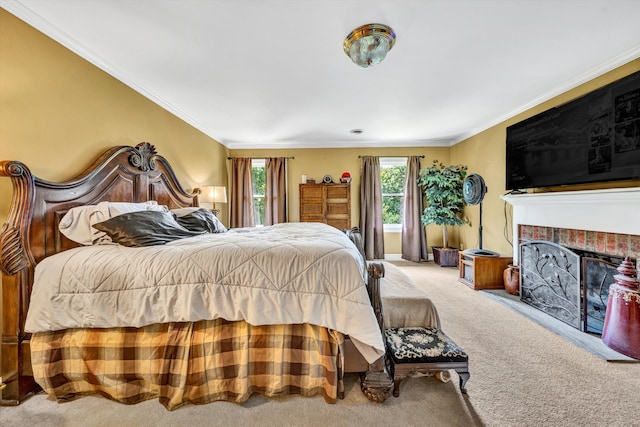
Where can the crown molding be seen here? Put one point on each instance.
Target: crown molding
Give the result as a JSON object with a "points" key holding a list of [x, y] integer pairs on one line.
{"points": [[39, 23], [291, 144]]}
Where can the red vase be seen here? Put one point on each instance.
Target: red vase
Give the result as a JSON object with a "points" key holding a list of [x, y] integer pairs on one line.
{"points": [[621, 330], [511, 277]]}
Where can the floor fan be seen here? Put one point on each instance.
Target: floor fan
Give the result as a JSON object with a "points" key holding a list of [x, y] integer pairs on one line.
{"points": [[473, 190]]}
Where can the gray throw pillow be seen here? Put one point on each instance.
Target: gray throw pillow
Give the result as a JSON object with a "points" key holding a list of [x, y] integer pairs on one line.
{"points": [[202, 220], [144, 228]]}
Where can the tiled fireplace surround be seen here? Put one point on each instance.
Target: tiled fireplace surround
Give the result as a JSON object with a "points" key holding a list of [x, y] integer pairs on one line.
{"points": [[593, 241], [603, 221]]}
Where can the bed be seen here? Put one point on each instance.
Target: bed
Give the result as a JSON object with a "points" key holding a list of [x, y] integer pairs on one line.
{"points": [[182, 341]]}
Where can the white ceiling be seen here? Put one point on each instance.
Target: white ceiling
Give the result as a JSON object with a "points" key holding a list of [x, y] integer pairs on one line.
{"points": [[272, 73]]}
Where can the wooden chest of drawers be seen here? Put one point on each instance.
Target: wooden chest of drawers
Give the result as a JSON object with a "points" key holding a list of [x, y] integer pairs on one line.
{"points": [[328, 203]]}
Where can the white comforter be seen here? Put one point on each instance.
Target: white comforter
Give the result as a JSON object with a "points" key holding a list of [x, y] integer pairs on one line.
{"points": [[286, 273]]}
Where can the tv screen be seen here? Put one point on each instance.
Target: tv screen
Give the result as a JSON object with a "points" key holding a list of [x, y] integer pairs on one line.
{"points": [[594, 138]]}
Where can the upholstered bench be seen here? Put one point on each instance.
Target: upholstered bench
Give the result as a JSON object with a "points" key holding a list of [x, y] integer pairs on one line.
{"points": [[423, 350], [403, 303]]}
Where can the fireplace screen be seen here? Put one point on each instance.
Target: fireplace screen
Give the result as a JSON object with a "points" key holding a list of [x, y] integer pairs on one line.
{"points": [[598, 277], [550, 280]]}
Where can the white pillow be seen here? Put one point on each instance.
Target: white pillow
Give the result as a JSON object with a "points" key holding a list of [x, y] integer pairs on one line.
{"points": [[77, 223]]}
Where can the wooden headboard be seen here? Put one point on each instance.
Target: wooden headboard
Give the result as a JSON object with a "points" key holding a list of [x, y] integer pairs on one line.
{"points": [[121, 174]]}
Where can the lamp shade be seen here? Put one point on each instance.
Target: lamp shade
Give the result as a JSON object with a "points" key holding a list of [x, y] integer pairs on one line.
{"points": [[213, 194]]}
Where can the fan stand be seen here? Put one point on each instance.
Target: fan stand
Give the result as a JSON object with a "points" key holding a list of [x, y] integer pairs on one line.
{"points": [[480, 228], [480, 251]]}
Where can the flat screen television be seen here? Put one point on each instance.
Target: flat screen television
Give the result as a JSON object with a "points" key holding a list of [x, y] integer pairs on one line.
{"points": [[595, 138]]}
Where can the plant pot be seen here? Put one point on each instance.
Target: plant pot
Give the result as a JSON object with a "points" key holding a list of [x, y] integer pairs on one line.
{"points": [[511, 277], [445, 257]]}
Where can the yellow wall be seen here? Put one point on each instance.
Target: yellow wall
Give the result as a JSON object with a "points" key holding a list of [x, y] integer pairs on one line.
{"points": [[58, 113], [484, 153], [317, 162]]}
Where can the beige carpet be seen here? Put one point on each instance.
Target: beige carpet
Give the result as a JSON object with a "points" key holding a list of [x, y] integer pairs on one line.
{"points": [[521, 375]]}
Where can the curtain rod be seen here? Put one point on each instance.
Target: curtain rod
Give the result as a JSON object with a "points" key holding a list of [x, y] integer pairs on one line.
{"points": [[421, 156], [288, 158]]}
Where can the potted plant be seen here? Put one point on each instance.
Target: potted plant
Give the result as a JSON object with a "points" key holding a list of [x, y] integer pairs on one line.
{"points": [[442, 187]]}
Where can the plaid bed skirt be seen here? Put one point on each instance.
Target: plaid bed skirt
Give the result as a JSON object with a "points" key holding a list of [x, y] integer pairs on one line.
{"points": [[182, 363]]}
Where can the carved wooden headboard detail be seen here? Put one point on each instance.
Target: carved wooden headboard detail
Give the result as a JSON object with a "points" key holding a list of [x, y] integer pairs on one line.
{"points": [[30, 233]]}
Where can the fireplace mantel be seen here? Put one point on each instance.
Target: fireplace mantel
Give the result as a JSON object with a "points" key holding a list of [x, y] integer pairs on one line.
{"points": [[614, 210]]}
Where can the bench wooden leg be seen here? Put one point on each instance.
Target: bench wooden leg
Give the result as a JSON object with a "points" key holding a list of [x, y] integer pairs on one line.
{"points": [[396, 386], [464, 377]]}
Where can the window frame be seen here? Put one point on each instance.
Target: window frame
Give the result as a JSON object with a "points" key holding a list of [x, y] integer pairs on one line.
{"points": [[255, 164], [390, 162]]}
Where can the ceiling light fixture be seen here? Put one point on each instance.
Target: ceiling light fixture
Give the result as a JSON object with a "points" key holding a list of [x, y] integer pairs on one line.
{"points": [[369, 44]]}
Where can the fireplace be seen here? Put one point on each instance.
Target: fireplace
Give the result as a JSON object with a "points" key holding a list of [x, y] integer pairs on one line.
{"points": [[568, 284], [598, 216], [568, 245]]}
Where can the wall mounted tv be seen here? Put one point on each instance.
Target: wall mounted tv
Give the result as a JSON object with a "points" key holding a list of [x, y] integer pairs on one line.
{"points": [[595, 138]]}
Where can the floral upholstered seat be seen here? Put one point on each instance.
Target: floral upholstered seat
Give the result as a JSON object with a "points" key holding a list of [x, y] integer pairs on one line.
{"points": [[423, 350], [422, 345]]}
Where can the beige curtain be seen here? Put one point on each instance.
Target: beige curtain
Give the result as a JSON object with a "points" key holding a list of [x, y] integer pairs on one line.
{"points": [[275, 203], [241, 200], [414, 240], [371, 208]]}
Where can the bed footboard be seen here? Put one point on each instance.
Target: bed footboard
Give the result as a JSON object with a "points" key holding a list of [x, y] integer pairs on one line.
{"points": [[376, 383]]}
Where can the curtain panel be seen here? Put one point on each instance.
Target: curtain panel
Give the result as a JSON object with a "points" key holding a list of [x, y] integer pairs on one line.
{"points": [[414, 240], [241, 209], [371, 226], [275, 203]]}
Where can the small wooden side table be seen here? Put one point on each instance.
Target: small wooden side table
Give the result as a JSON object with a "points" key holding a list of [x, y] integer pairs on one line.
{"points": [[483, 272]]}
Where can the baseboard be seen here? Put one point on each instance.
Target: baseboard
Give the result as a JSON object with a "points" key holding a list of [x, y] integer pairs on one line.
{"points": [[398, 257]]}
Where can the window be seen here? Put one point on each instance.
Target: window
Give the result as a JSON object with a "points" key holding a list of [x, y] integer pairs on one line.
{"points": [[259, 179], [393, 171]]}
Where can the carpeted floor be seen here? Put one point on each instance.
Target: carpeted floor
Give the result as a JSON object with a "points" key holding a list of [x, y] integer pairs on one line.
{"points": [[522, 374], [589, 342]]}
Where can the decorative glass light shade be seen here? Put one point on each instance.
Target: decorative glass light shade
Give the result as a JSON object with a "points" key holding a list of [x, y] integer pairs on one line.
{"points": [[368, 45]]}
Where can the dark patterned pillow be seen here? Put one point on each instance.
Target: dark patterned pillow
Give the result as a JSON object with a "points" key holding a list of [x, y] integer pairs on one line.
{"points": [[144, 228], [422, 345], [202, 220]]}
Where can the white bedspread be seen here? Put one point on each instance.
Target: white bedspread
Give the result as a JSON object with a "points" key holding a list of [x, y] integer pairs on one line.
{"points": [[286, 273]]}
